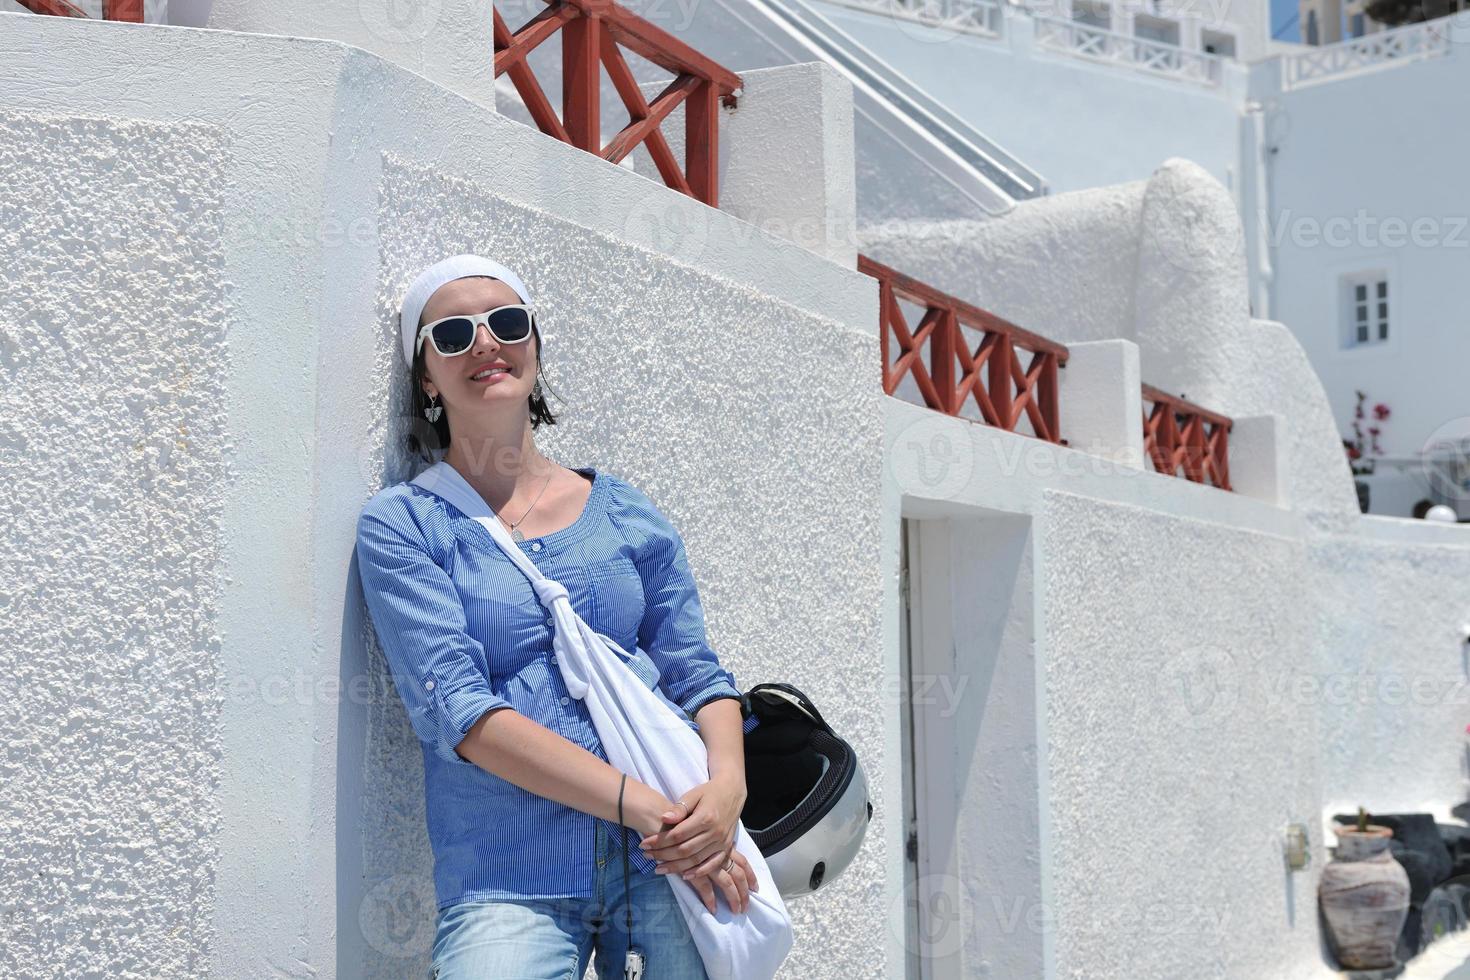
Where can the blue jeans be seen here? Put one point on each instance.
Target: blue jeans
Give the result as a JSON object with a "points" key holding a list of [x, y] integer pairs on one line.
{"points": [[553, 938]]}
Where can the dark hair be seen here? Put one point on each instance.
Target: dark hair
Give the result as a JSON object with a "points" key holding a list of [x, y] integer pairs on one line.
{"points": [[1422, 508], [425, 437]]}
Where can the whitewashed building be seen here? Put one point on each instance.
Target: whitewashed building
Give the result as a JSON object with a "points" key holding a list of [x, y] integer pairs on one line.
{"points": [[1339, 158], [1093, 697]]}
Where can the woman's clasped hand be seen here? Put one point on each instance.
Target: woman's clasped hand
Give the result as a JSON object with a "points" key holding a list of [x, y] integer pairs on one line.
{"points": [[697, 841]]}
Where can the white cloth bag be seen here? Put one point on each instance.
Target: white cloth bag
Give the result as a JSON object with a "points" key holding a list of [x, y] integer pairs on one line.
{"points": [[644, 736]]}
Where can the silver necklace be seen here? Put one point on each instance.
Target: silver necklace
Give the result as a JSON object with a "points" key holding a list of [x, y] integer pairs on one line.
{"points": [[515, 528]]}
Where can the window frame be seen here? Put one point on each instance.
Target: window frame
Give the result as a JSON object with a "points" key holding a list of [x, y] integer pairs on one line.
{"points": [[1380, 287]]}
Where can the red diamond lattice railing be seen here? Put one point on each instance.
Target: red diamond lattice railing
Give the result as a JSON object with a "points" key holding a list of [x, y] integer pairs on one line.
{"points": [[1178, 434], [992, 374], [594, 34], [124, 10]]}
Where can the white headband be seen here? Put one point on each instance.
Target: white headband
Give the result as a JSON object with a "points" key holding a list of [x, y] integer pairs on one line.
{"points": [[416, 297]]}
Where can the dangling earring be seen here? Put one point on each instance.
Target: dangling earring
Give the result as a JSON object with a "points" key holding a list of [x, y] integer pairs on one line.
{"points": [[536, 389], [433, 412]]}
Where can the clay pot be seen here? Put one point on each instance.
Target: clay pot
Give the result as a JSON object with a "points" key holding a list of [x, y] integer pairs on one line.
{"points": [[1364, 894]]}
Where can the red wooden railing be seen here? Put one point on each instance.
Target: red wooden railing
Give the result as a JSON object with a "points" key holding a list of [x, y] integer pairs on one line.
{"points": [[1180, 438], [991, 374], [593, 32], [128, 10], [1180, 434]]}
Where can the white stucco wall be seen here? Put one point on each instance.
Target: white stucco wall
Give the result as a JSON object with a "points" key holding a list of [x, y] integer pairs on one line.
{"points": [[1209, 669], [316, 180], [1342, 203], [114, 427], [1394, 697], [1158, 605], [1209, 666], [1120, 761], [1161, 871], [1081, 124], [447, 41]]}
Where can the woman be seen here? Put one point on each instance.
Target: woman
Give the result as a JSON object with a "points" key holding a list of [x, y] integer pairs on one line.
{"points": [[522, 805]]}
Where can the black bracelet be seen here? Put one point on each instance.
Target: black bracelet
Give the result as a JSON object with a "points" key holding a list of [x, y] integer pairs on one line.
{"points": [[627, 889]]}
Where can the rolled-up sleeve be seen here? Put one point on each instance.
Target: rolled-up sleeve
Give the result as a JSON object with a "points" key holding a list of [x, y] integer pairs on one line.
{"points": [[420, 623], [673, 629]]}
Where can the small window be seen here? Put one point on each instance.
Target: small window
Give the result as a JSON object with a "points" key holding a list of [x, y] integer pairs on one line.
{"points": [[1093, 14], [1357, 25], [1160, 29], [1366, 302], [1218, 43]]}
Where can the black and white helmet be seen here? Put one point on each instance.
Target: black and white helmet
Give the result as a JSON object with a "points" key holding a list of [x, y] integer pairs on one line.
{"points": [[806, 801]]}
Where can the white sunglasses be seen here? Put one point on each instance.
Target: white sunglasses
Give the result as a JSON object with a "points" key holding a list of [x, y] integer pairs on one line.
{"points": [[453, 335]]}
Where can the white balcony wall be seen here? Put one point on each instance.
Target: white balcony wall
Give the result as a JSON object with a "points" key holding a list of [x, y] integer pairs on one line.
{"points": [[1080, 124], [233, 216]]}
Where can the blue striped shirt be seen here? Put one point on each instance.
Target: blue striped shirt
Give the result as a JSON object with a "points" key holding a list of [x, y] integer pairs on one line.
{"points": [[463, 633]]}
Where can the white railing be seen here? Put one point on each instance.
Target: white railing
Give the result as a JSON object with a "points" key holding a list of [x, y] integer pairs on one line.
{"points": [[1099, 44], [982, 17], [987, 18], [1384, 49]]}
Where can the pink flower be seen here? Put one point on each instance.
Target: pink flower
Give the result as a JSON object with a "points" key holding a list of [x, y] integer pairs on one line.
{"points": [[1380, 411]]}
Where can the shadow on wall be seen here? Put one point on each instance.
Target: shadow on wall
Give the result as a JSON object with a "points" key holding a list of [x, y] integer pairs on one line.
{"points": [[386, 902]]}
